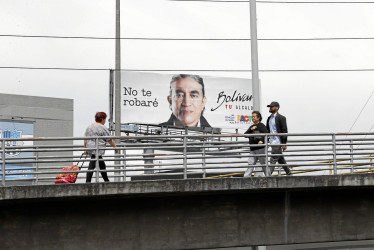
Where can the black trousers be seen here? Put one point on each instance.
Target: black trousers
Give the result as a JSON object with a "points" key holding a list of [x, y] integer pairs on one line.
{"points": [[92, 166], [280, 159]]}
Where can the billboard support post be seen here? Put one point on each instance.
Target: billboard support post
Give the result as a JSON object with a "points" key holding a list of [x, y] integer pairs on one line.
{"points": [[254, 57], [111, 97], [117, 83]]}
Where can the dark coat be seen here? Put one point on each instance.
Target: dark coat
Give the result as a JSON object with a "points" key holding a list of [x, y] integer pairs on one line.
{"points": [[281, 124], [260, 129], [172, 119]]}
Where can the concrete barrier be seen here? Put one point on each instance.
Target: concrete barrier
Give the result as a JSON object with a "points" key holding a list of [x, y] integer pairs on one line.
{"points": [[188, 214]]}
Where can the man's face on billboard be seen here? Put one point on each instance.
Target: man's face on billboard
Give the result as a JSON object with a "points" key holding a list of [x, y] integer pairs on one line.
{"points": [[187, 101]]}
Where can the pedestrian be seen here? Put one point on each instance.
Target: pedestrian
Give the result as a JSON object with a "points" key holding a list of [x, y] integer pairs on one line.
{"points": [[276, 123], [256, 128], [94, 130]]}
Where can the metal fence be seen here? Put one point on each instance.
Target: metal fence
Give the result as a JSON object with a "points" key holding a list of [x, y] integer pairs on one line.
{"points": [[37, 161]]}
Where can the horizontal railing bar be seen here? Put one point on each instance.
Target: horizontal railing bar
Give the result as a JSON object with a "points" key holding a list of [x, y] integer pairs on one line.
{"points": [[192, 156]]}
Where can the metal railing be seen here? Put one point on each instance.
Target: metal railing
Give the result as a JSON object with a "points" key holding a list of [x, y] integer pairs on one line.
{"points": [[37, 161]]}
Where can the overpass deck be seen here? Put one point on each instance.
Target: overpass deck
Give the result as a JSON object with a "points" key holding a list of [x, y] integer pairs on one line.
{"points": [[187, 187], [188, 214]]}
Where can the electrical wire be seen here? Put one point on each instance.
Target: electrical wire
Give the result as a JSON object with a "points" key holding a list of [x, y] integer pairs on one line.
{"points": [[186, 70], [101, 69], [314, 70], [313, 2], [358, 116], [52, 68], [371, 128], [361, 111], [187, 39], [277, 2], [365, 136]]}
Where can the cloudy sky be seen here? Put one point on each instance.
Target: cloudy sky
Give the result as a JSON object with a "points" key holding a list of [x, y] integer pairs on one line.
{"points": [[313, 101]]}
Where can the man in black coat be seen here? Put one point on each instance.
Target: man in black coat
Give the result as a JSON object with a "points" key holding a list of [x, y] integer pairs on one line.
{"points": [[276, 123]]}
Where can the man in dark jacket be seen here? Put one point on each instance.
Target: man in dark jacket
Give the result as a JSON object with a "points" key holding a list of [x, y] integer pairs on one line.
{"points": [[277, 123]]}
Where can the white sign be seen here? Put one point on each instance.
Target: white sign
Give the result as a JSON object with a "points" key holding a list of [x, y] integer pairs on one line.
{"points": [[186, 100], [15, 130]]}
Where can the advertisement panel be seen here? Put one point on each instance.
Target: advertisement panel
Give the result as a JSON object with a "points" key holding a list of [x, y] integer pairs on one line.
{"points": [[186, 100], [10, 130]]}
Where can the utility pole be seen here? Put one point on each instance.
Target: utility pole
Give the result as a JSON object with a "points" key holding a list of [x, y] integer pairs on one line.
{"points": [[117, 84], [254, 57]]}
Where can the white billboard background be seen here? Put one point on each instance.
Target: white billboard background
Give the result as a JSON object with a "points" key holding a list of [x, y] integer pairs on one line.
{"points": [[144, 99]]}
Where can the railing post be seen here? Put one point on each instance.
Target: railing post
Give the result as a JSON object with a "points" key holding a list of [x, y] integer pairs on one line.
{"points": [[185, 156], [124, 165], [334, 153], [204, 170], [116, 175], [37, 166], [149, 159], [351, 152], [267, 157], [97, 160], [3, 162]]}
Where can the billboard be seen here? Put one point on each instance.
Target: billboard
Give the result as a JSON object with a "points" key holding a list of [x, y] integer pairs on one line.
{"points": [[186, 100], [10, 130]]}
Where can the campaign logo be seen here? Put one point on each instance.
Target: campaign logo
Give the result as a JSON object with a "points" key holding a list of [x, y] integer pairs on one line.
{"points": [[8, 134], [238, 119], [243, 119]]}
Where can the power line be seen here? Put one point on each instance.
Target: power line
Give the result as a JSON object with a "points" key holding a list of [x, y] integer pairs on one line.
{"points": [[51, 68], [365, 135], [123, 38], [314, 70], [101, 69], [188, 39], [316, 39], [59, 37], [276, 2], [185, 70], [358, 116], [361, 111], [314, 2]]}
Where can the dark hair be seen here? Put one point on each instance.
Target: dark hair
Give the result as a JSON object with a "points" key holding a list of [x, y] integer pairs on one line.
{"points": [[258, 114], [193, 77], [100, 116]]}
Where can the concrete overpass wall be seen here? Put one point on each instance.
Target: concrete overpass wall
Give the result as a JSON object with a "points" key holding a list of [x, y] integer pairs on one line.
{"points": [[188, 214]]}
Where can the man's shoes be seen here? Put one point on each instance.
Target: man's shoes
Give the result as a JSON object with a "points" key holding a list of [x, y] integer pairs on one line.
{"points": [[289, 173]]}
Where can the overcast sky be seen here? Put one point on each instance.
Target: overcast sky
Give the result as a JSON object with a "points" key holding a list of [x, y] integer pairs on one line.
{"points": [[311, 101]]}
